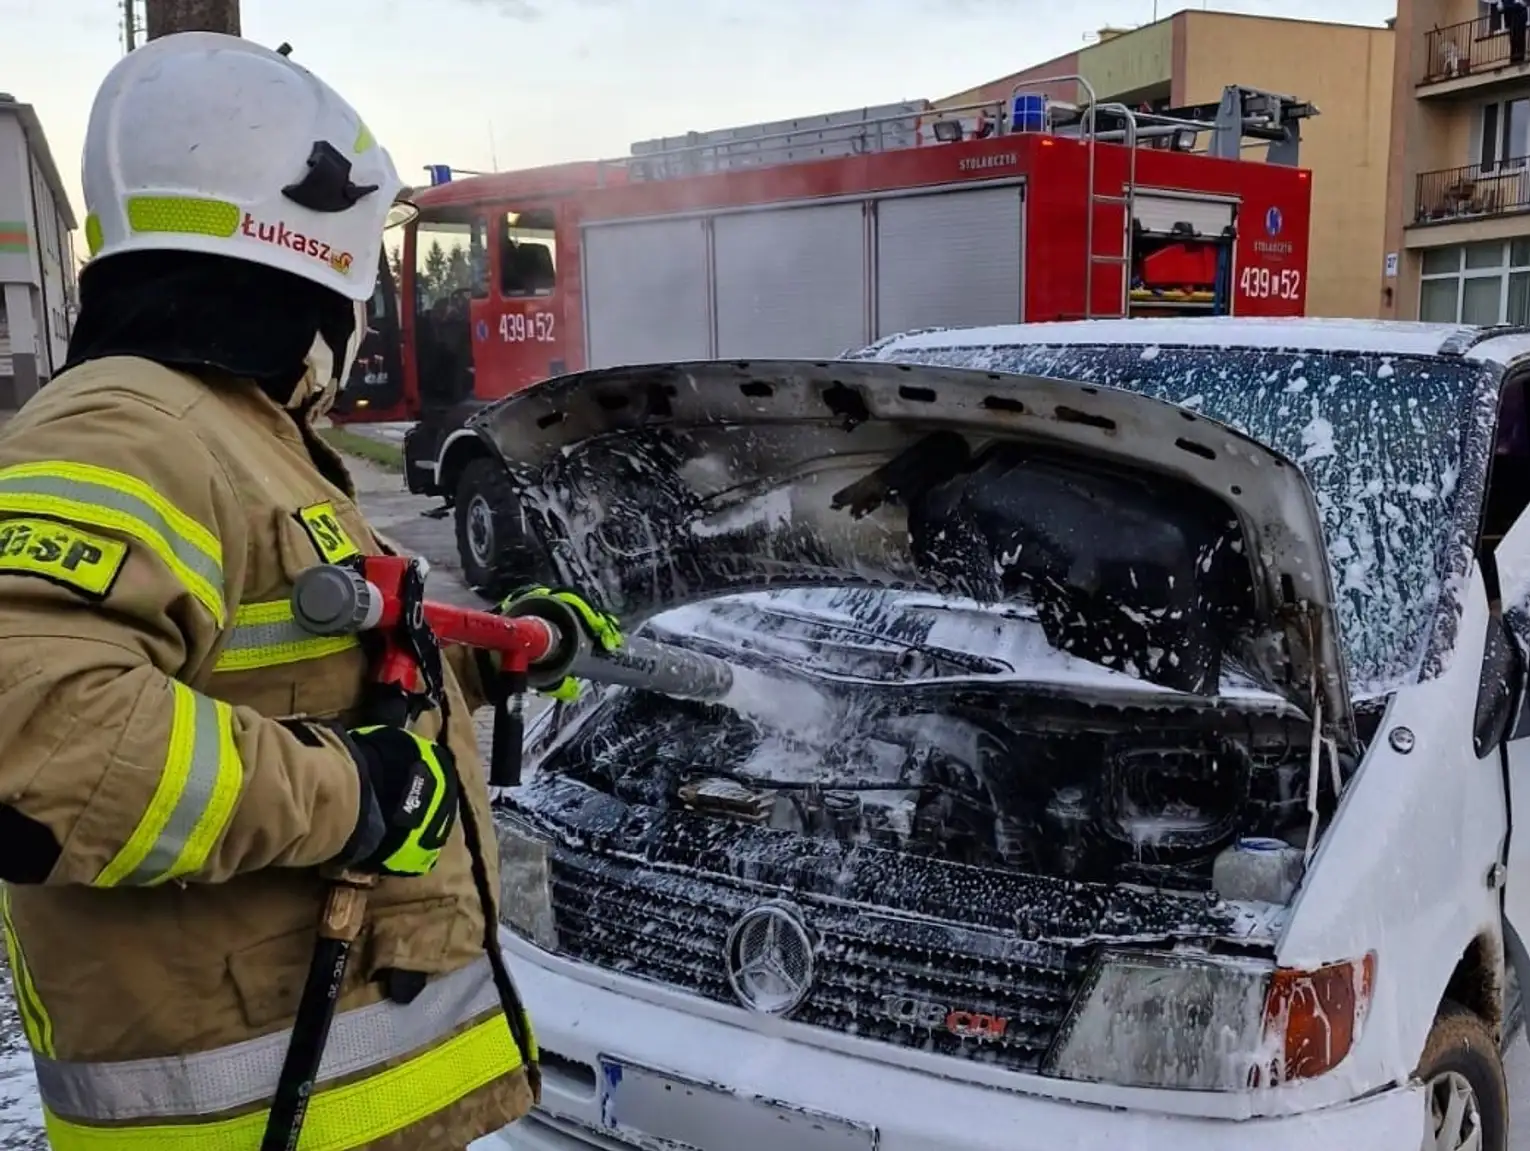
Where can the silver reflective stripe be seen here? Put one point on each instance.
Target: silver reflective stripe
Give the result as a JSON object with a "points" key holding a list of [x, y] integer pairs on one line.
{"points": [[202, 778], [244, 636], [102, 496], [243, 1074], [196, 792], [265, 635]]}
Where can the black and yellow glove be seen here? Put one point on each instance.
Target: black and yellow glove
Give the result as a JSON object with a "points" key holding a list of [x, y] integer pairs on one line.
{"points": [[600, 628], [409, 796]]}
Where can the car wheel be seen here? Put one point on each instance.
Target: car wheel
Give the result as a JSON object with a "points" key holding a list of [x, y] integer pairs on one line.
{"points": [[1466, 1096], [485, 538]]}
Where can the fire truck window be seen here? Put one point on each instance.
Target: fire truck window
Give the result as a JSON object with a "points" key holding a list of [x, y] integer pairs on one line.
{"points": [[377, 306], [527, 254], [450, 261], [450, 271]]}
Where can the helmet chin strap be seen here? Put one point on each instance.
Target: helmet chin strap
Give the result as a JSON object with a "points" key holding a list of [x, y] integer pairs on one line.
{"points": [[321, 383]]}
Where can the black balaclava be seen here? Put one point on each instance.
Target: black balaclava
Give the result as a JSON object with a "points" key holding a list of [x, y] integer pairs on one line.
{"points": [[213, 316], [209, 315]]}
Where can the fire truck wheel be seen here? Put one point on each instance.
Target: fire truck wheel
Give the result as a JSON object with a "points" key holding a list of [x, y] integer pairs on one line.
{"points": [[484, 539]]}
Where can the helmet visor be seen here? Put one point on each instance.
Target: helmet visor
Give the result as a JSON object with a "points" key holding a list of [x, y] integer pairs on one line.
{"points": [[402, 212]]}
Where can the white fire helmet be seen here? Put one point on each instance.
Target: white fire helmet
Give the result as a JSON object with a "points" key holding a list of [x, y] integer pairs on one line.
{"points": [[200, 142]]}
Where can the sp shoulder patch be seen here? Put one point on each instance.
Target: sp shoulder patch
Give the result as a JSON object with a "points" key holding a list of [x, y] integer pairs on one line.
{"points": [[81, 561], [329, 538]]}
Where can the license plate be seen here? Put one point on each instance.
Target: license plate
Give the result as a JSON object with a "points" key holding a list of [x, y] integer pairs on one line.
{"points": [[647, 1105]]}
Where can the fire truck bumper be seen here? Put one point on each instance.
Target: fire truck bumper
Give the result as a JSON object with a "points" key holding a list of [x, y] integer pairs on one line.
{"points": [[624, 1072]]}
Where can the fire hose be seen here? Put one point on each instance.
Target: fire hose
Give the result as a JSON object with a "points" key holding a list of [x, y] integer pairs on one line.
{"points": [[540, 637], [539, 642]]}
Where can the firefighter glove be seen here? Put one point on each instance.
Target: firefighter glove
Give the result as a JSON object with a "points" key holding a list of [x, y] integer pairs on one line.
{"points": [[601, 629], [409, 796]]}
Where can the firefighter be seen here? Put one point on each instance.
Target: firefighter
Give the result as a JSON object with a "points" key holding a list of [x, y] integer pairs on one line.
{"points": [[170, 777]]}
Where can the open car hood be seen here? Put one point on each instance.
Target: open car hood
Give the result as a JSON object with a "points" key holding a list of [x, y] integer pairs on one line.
{"points": [[1149, 539]]}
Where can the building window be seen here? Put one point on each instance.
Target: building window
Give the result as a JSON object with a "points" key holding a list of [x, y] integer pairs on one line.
{"points": [[1487, 283], [1504, 135]]}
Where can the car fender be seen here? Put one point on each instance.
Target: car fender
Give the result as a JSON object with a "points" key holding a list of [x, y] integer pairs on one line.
{"points": [[1406, 868]]}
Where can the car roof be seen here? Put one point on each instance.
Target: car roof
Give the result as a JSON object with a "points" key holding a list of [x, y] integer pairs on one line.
{"points": [[1504, 344]]}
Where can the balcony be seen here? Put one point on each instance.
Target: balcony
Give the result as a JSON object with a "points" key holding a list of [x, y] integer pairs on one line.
{"points": [[1468, 56], [1472, 192]]}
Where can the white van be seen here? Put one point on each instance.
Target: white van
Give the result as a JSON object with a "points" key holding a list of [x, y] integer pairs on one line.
{"points": [[1135, 734]]}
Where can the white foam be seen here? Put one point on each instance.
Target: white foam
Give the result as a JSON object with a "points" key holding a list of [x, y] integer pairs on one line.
{"points": [[789, 705]]}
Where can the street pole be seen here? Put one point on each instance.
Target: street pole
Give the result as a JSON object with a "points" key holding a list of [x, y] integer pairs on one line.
{"points": [[166, 17]]}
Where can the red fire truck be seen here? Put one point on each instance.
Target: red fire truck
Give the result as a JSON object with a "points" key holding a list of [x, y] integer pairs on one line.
{"points": [[812, 237]]}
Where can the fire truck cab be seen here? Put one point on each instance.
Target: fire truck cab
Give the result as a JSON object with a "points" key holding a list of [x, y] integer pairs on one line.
{"points": [[814, 237]]}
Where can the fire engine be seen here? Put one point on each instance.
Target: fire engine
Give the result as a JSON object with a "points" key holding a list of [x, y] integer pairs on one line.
{"points": [[811, 237]]}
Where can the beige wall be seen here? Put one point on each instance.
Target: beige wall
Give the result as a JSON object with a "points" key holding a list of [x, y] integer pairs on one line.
{"points": [[1347, 72], [1130, 62], [1002, 88]]}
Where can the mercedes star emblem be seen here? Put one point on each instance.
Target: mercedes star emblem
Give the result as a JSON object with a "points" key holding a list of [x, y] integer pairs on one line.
{"points": [[770, 959]]}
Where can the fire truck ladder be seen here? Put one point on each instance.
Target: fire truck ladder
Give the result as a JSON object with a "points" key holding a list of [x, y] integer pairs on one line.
{"points": [[1125, 201], [860, 132]]}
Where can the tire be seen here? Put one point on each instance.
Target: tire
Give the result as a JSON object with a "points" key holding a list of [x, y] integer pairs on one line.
{"points": [[1463, 1076], [486, 536]]}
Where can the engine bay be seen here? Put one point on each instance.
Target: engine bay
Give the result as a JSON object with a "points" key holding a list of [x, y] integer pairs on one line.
{"points": [[989, 776]]}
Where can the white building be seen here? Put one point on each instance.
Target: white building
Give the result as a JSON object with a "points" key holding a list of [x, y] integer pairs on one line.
{"points": [[37, 287]]}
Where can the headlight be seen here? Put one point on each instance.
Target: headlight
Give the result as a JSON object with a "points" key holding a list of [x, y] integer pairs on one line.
{"points": [[525, 881], [1150, 1019]]}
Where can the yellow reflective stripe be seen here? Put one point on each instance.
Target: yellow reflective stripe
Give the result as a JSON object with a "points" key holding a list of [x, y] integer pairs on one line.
{"points": [[188, 215], [339, 1118], [103, 498], [243, 1076], [266, 635], [34, 1017], [193, 800], [535, 1054]]}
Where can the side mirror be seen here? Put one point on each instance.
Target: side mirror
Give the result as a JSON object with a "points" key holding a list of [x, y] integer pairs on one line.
{"points": [[1500, 690], [1502, 686]]}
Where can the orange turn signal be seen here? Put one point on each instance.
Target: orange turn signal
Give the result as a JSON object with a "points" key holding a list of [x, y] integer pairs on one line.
{"points": [[1313, 1018]]}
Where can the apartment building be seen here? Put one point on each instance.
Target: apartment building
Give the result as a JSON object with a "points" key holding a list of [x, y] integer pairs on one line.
{"points": [[1346, 70], [1458, 234], [37, 284]]}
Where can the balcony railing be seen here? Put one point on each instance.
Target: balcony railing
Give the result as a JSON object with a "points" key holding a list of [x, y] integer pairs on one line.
{"points": [[1480, 45], [1473, 191]]}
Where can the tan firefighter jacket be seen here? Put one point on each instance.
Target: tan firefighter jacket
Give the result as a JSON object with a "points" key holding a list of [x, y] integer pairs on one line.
{"points": [[150, 530]]}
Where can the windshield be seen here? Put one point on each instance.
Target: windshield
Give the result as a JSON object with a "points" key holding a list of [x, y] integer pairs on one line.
{"points": [[1380, 439]]}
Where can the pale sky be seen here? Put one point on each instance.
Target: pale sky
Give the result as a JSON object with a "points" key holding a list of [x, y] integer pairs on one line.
{"points": [[525, 82]]}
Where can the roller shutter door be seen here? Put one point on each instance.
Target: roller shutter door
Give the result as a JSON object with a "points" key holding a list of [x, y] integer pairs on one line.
{"points": [[645, 292], [949, 259], [1159, 214], [791, 282]]}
